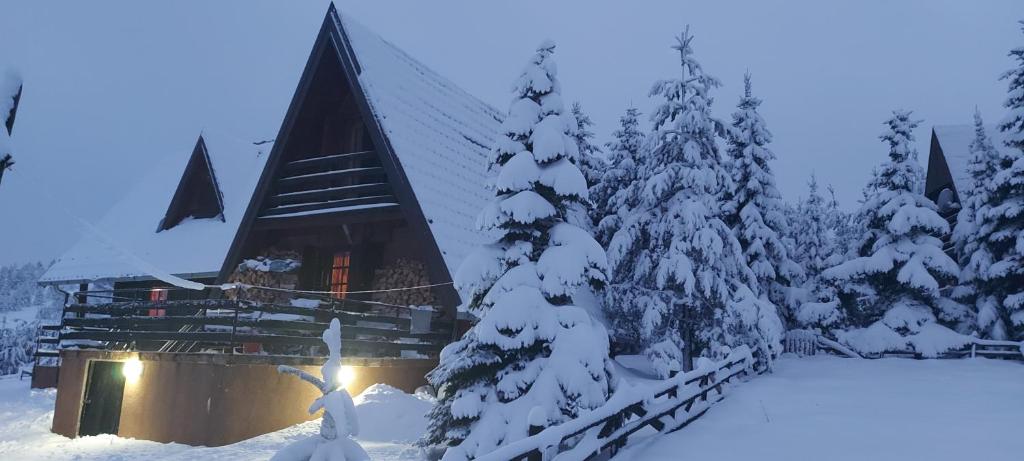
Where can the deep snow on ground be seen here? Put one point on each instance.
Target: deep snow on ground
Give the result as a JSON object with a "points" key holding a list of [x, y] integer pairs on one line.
{"points": [[830, 408], [390, 421], [814, 408]]}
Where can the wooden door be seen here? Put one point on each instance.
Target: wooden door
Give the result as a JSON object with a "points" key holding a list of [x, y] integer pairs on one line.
{"points": [[101, 402]]}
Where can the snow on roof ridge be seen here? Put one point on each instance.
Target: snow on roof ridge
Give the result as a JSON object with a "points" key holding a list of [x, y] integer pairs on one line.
{"points": [[955, 141], [441, 136]]}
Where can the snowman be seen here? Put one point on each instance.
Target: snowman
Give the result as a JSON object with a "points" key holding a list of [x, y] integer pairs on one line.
{"points": [[339, 423]]}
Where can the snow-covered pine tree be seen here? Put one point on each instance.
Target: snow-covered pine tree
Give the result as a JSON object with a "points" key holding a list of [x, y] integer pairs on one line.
{"points": [[899, 264], [1001, 225], [612, 195], [815, 248], [532, 350], [754, 206], [973, 250], [590, 161], [681, 284]]}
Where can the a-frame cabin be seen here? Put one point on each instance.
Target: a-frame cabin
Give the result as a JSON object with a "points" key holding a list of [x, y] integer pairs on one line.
{"points": [[371, 188], [379, 161]]}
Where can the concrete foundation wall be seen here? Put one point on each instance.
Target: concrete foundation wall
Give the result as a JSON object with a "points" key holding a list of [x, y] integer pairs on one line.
{"points": [[213, 399]]}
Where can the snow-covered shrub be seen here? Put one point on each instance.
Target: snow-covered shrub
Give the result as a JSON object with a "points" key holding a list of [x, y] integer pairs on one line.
{"points": [[19, 288], [339, 422], [17, 345], [532, 347], [906, 327]]}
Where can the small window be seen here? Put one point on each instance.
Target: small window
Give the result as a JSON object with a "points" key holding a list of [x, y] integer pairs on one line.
{"points": [[158, 295], [339, 274]]}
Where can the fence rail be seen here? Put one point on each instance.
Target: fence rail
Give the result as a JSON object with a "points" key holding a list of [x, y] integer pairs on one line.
{"points": [[667, 406], [806, 342], [122, 321]]}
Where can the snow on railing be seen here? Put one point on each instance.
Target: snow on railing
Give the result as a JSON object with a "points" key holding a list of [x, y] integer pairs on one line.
{"points": [[666, 406], [807, 342]]}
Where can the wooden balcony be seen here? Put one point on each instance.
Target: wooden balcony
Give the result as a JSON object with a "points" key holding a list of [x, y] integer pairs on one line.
{"points": [[369, 329]]}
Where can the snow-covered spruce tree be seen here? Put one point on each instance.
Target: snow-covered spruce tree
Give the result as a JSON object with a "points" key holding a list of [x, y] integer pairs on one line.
{"points": [[612, 195], [815, 249], [681, 283], [899, 264], [972, 246], [531, 348], [1001, 223], [754, 206], [590, 161]]}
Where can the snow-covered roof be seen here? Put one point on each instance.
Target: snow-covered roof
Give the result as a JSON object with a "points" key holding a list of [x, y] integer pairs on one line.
{"points": [[440, 134], [955, 141], [193, 247]]}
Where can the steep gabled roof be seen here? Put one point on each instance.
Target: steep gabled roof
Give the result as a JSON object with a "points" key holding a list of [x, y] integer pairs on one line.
{"points": [[434, 138], [955, 142], [440, 134], [198, 195], [195, 247]]}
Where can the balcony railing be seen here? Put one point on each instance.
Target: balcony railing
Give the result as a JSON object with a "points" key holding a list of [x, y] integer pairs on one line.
{"points": [[124, 320]]}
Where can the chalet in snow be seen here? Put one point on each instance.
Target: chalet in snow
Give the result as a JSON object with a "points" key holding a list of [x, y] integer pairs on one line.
{"points": [[361, 210], [947, 176]]}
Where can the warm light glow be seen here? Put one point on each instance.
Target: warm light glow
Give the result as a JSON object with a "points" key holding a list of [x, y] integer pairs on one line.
{"points": [[132, 370], [346, 375]]}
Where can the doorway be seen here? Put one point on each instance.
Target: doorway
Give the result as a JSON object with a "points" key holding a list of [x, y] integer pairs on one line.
{"points": [[101, 403]]}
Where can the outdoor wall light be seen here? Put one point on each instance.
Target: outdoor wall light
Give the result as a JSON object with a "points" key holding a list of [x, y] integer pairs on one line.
{"points": [[132, 370], [346, 375]]}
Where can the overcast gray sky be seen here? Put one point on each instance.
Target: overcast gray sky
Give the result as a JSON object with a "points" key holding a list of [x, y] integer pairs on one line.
{"points": [[113, 85]]}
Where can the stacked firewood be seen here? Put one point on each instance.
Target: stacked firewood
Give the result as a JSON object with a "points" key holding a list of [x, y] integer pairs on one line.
{"points": [[403, 273], [275, 269]]}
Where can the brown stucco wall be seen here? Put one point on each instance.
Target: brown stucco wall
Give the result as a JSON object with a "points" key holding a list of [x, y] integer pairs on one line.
{"points": [[44, 377], [212, 400]]}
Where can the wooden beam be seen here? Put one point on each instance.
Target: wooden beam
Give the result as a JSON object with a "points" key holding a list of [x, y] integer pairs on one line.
{"points": [[310, 206], [326, 162], [330, 193]]}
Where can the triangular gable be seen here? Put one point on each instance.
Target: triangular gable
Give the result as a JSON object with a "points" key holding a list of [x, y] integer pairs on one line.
{"points": [[938, 177], [332, 49], [9, 123], [198, 195]]}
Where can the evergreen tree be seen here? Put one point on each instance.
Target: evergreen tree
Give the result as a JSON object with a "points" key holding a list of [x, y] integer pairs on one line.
{"points": [[1000, 222], [532, 352], [612, 195], [682, 286], [754, 206], [899, 264], [974, 253], [815, 249], [590, 160]]}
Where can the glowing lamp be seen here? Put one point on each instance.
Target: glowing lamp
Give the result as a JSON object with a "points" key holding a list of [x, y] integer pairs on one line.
{"points": [[346, 375], [132, 370]]}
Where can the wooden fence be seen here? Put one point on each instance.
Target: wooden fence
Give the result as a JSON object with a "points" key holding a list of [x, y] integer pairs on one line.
{"points": [[667, 406], [806, 342]]}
